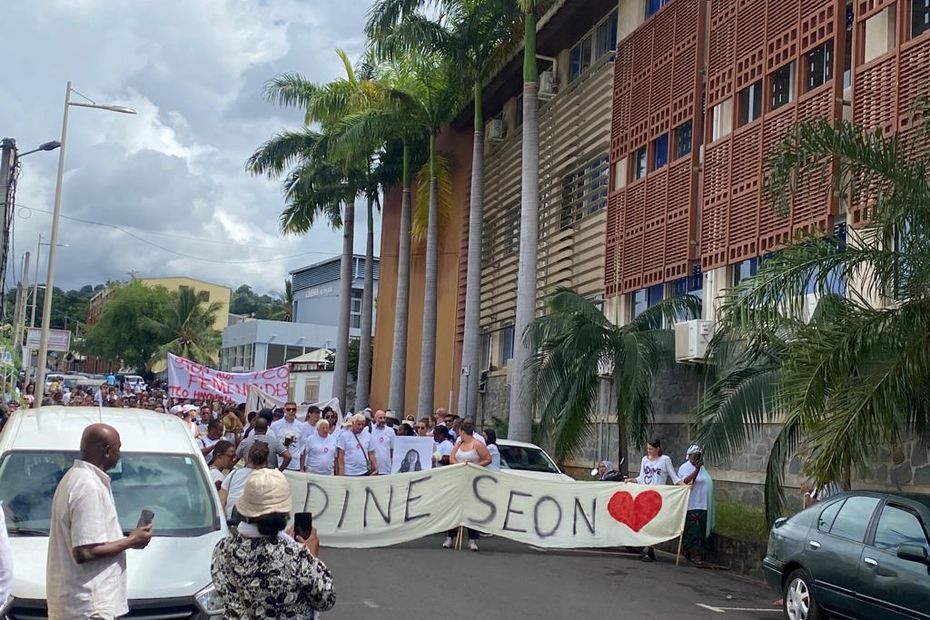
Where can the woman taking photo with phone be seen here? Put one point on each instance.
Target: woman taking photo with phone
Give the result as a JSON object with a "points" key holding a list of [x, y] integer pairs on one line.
{"points": [[700, 519], [261, 572]]}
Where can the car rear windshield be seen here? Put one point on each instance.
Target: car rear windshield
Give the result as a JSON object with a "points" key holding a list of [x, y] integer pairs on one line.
{"points": [[526, 459], [172, 486]]}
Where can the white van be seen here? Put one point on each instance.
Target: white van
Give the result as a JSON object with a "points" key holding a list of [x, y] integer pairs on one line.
{"points": [[160, 469]]}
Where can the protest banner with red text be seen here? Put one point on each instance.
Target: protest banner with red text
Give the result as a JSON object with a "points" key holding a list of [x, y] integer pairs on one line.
{"points": [[187, 379]]}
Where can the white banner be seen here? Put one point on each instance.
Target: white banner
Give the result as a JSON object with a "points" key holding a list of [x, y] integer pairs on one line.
{"points": [[187, 379], [258, 400], [379, 511]]}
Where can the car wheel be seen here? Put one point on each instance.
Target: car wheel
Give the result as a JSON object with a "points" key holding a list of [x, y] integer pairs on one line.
{"points": [[799, 603]]}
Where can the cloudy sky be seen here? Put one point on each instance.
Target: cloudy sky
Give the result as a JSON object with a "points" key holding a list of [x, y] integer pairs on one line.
{"points": [[173, 175]]}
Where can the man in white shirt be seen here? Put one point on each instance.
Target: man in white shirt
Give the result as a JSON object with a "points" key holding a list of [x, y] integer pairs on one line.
{"points": [[382, 442], [86, 564], [354, 455], [290, 432]]}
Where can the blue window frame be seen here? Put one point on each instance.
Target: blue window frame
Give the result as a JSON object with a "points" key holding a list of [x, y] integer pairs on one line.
{"points": [[655, 294], [660, 151], [640, 302], [745, 270], [653, 6]]}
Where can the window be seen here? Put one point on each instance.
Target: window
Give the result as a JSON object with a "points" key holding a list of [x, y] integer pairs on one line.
{"points": [[825, 520], [599, 41], [355, 316], [606, 39], [639, 304], [506, 345], [203, 296], [639, 163], [750, 103], [692, 285], [853, 518], [653, 6], [584, 191], [745, 270], [847, 51], [655, 294], [920, 17], [683, 140], [485, 359], [722, 119], [898, 526], [781, 86], [880, 33], [660, 151], [819, 65], [312, 389]]}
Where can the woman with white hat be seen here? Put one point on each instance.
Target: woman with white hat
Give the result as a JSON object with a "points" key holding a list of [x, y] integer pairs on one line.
{"points": [[261, 571], [699, 521]]}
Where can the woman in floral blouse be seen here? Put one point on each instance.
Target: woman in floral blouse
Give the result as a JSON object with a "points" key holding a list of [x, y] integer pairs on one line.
{"points": [[261, 571]]}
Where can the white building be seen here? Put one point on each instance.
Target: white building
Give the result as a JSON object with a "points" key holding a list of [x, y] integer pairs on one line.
{"points": [[259, 344], [311, 376]]}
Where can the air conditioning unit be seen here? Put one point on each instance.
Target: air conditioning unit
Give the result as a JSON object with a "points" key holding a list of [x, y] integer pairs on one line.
{"points": [[691, 340], [496, 129], [548, 85]]}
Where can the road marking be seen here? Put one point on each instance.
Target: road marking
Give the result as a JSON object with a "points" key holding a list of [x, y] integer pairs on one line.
{"points": [[366, 602], [723, 610]]}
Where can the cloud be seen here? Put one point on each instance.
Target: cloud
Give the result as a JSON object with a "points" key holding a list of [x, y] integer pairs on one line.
{"points": [[173, 175]]}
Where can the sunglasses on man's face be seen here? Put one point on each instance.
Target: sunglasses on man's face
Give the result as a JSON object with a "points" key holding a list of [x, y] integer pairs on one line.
{"points": [[290, 408]]}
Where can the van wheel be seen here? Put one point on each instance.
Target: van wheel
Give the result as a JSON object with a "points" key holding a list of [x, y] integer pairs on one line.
{"points": [[799, 602]]}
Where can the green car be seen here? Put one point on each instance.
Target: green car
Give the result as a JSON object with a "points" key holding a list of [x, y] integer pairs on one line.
{"points": [[853, 555]]}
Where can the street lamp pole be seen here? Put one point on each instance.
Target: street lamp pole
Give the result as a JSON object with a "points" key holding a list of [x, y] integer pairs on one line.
{"points": [[35, 287], [53, 240]]}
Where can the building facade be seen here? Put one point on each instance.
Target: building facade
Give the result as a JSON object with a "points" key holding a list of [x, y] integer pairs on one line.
{"points": [[316, 293], [206, 292], [258, 344]]}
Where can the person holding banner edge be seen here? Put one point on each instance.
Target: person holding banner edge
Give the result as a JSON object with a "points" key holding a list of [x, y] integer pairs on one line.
{"points": [[468, 449]]}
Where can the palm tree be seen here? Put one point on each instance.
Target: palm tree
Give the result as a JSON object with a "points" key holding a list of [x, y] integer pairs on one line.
{"points": [[186, 329], [856, 377], [476, 36], [521, 393], [286, 310], [576, 345]]}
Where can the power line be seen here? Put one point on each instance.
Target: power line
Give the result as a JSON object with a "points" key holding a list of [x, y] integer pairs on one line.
{"points": [[125, 231]]}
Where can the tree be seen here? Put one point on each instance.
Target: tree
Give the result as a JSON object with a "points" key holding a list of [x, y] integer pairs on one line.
{"points": [[475, 36], [119, 334], [285, 305], [185, 328], [856, 377], [576, 344], [521, 393]]}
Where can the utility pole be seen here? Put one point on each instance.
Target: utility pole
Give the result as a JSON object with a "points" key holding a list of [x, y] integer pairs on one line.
{"points": [[19, 316], [7, 171]]}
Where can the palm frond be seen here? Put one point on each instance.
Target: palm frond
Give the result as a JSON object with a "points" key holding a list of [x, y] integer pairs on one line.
{"points": [[420, 219]]}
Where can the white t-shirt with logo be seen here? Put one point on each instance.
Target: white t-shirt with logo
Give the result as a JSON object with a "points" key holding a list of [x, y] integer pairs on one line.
{"points": [[291, 434], [654, 473], [382, 442], [356, 448], [319, 454]]}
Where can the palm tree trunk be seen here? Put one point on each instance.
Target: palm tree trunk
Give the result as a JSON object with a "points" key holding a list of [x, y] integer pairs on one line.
{"points": [[428, 352], [341, 366], [396, 393], [520, 427], [363, 387], [471, 346]]}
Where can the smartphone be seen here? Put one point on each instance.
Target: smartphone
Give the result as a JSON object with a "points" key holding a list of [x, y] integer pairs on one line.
{"points": [[303, 524], [145, 518]]}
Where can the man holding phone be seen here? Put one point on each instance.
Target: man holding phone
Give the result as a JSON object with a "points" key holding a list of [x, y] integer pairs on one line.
{"points": [[86, 568]]}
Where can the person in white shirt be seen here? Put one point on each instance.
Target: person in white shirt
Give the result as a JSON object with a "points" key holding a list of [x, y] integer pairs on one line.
{"points": [[354, 456], [234, 484], [442, 445], [490, 439], [86, 563], [382, 442], [290, 432], [209, 441], [222, 460], [654, 470], [319, 451], [699, 522]]}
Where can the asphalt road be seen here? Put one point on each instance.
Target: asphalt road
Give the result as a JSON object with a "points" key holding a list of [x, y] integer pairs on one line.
{"points": [[511, 581]]}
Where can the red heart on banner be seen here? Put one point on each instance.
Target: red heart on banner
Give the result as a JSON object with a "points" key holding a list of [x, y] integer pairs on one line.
{"points": [[635, 513]]}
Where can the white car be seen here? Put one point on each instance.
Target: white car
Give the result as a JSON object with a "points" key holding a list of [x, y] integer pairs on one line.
{"points": [[161, 469], [528, 459]]}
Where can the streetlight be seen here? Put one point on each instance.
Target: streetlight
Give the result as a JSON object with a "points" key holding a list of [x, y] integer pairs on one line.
{"points": [[51, 145], [53, 241]]}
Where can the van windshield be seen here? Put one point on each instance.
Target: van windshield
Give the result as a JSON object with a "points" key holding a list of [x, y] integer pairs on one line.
{"points": [[172, 486]]}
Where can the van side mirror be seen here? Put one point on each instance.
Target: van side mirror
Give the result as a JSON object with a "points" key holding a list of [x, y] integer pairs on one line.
{"points": [[914, 553]]}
